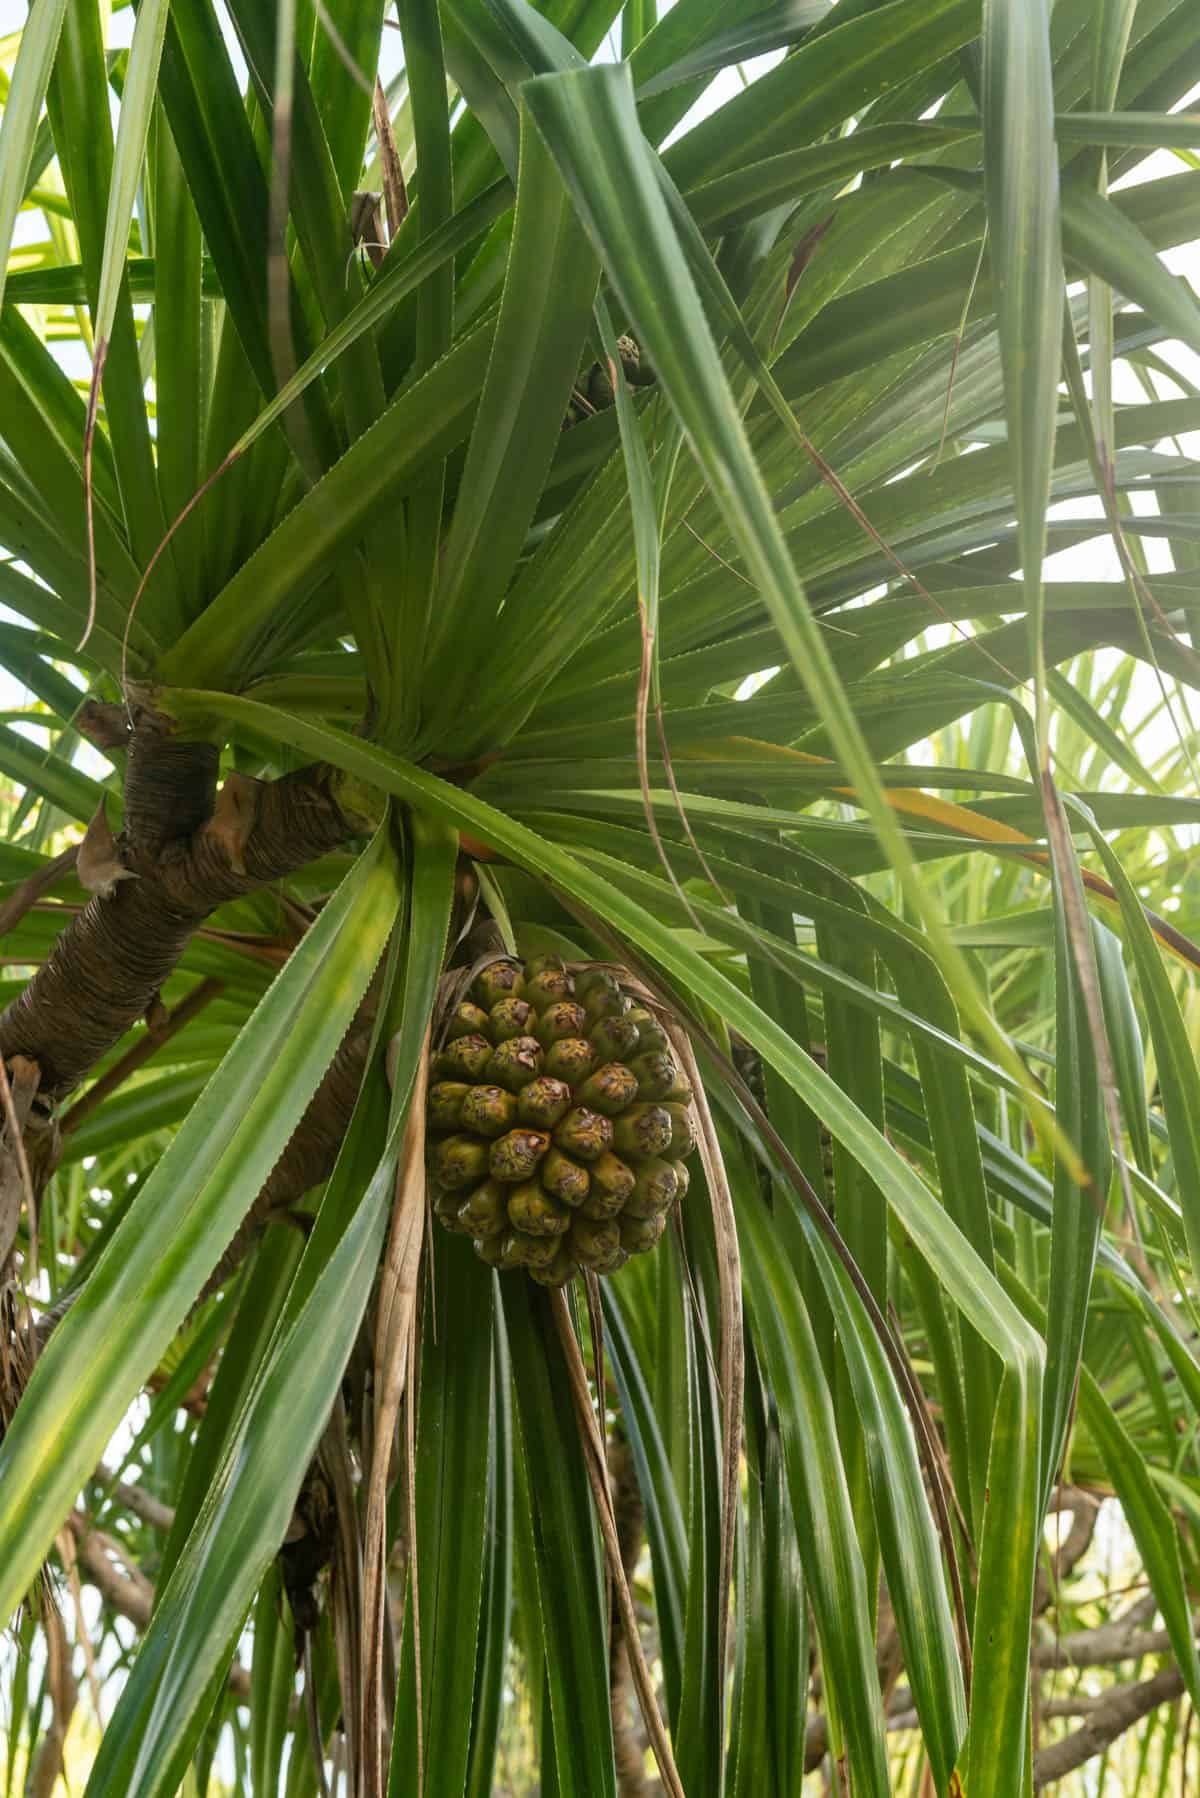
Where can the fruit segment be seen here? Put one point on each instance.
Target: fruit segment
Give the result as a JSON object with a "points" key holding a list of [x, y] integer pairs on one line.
{"points": [[559, 1121]]}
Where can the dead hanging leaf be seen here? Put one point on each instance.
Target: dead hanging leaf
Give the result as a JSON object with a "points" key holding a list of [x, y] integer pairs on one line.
{"points": [[98, 863], [345, 1583], [366, 225], [66, 1548], [672, 1012], [958, 339], [18, 1348], [234, 816], [395, 1333], [805, 250], [780, 1162], [596, 1325], [395, 193], [16, 1181], [48, 1762]]}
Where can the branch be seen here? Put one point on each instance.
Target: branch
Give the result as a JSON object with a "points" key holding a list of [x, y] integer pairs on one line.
{"points": [[140, 1053], [191, 849], [137, 1501], [46, 1763], [1106, 1646], [1085, 1510], [130, 1594], [306, 1161], [24, 897], [1118, 1711], [313, 1145]]}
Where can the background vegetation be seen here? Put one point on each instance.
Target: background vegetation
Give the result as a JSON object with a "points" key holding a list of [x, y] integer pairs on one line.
{"points": [[372, 606]]}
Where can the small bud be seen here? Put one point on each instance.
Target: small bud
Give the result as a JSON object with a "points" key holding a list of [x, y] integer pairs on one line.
{"points": [[561, 1020], [652, 1038], [467, 1020], [538, 1251], [560, 1271], [681, 1090], [683, 1131], [656, 1074], [234, 816], [491, 1249], [614, 1039], [595, 1243], [446, 1208], [612, 1183], [548, 985]]}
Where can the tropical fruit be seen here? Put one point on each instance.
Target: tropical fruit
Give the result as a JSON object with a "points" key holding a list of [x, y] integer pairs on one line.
{"points": [[559, 1121]]}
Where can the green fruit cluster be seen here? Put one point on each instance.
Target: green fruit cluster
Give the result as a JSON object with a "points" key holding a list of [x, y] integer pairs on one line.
{"points": [[559, 1122]]}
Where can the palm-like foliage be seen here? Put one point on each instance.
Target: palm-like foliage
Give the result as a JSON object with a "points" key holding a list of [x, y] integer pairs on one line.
{"points": [[318, 528]]}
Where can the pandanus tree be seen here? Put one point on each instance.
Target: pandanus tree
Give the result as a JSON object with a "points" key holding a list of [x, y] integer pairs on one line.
{"points": [[526, 615]]}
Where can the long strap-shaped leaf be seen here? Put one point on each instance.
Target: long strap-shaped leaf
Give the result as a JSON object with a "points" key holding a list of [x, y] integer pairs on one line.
{"points": [[454, 1449], [908, 1537], [1011, 1532], [590, 121], [22, 109], [1148, 1516], [1021, 185], [423, 423], [549, 288], [245, 1515], [577, 1747], [824, 1515], [150, 1275], [137, 105], [1175, 1059]]}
